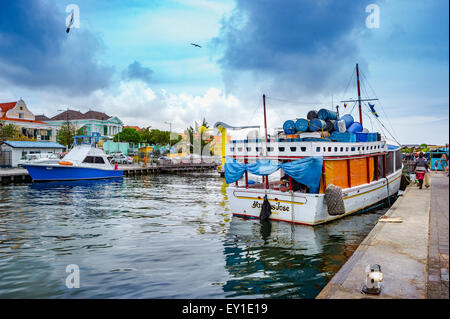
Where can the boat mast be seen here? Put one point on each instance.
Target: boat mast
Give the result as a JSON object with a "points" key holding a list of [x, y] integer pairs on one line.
{"points": [[359, 100], [266, 178], [359, 94], [265, 120]]}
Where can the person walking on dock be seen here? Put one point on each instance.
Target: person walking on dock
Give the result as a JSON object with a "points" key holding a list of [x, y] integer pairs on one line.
{"points": [[421, 169]]}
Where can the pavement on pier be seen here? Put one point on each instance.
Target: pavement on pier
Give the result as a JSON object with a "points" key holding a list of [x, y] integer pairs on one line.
{"points": [[402, 249], [438, 242]]}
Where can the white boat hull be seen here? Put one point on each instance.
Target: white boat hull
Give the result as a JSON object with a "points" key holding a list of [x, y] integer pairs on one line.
{"points": [[310, 209]]}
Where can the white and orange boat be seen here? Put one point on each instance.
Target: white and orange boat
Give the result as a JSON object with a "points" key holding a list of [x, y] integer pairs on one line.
{"points": [[365, 168]]}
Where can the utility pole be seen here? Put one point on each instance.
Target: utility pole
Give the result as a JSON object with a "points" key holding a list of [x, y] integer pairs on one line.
{"points": [[170, 132]]}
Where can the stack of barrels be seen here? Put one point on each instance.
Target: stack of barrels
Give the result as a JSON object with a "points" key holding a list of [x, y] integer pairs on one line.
{"points": [[328, 123], [321, 121]]}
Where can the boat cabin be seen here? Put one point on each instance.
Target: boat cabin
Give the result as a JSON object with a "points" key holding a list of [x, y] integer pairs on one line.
{"points": [[342, 164]]}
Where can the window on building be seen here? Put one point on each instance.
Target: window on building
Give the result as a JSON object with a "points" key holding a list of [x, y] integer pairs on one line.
{"points": [[20, 115]]}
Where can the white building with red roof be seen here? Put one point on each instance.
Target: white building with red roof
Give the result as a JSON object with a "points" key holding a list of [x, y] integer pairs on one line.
{"points": [[17, 113]]}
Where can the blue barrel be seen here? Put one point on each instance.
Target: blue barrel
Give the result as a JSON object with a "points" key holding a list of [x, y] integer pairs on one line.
{"points": [[302, 125], [325, 114], [317, 125], [348, 120], [356, 127], [289, 127], [362, 137]]}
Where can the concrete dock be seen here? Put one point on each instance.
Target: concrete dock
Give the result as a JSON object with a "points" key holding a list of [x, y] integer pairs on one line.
{"points": [[413, 253]]}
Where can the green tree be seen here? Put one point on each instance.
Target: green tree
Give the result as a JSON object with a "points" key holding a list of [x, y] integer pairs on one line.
{"points": [[129, 135], [157, 137], [66, 133], [8, 131]]}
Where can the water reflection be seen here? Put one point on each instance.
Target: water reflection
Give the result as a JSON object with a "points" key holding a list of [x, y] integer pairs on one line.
{"points": [[161, 236], [280, 260]]}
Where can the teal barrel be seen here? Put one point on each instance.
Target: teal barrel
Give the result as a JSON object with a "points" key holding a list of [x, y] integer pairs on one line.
{"points": [[301, 125], [356, 127], [289, 127], [312, 115], [343, 137], [317, 125], [325, 114], [372, 137]]}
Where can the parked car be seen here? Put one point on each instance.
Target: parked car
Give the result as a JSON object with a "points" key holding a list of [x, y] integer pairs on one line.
{"points": [[120, 158], [164, 160]]}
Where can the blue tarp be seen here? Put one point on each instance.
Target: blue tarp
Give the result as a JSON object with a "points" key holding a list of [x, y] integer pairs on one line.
{"points": [[306, 170], [392, 147]]}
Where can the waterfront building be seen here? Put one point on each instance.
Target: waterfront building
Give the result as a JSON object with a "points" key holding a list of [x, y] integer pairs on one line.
{"points": [[29, 125], [126, 148], [89, 122], [12, 151]]}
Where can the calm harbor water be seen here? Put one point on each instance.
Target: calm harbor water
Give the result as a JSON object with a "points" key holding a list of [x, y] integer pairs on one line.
{"points": [[163, 236]]}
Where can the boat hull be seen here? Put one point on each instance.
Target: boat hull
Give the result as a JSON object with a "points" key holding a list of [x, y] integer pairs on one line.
{"points": [[42, 173], [310, 209]]}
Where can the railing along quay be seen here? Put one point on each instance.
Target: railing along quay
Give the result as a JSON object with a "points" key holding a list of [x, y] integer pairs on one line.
{"points": [[167, 168], [20, 175]]}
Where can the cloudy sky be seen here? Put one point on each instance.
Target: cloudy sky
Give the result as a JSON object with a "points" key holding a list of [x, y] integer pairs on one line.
{"points": [[134, 59]]}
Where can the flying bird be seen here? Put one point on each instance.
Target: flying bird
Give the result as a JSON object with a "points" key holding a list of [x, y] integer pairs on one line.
{"points": [[70, 23], [195, 45]]}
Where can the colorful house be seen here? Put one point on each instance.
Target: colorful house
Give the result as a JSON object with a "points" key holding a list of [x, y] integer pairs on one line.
{"points": [[89, 122], [18, 114]]}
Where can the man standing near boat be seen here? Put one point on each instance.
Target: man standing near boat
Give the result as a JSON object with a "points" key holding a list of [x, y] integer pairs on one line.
{"points": [[421, 169]]}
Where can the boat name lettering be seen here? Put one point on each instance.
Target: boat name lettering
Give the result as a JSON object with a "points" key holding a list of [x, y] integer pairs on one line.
{"points": [[277, 206]]}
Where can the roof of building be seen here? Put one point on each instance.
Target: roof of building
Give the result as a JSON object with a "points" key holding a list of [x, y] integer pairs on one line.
{"points": [[77, 115], [20, 120], [41, 117], [5, 107], [135, 127], [30, 144]]}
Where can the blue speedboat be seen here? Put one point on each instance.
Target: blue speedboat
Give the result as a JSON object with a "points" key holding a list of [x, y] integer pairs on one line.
{"points": [[84, 162]]}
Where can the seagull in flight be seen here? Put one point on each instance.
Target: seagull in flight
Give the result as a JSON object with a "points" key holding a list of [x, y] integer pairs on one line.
{"points": [[195, 45]]}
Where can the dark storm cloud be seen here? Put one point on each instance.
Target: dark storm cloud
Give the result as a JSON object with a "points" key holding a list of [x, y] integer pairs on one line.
{"points": [[292, 46], [36, 52], [136, 71]]}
